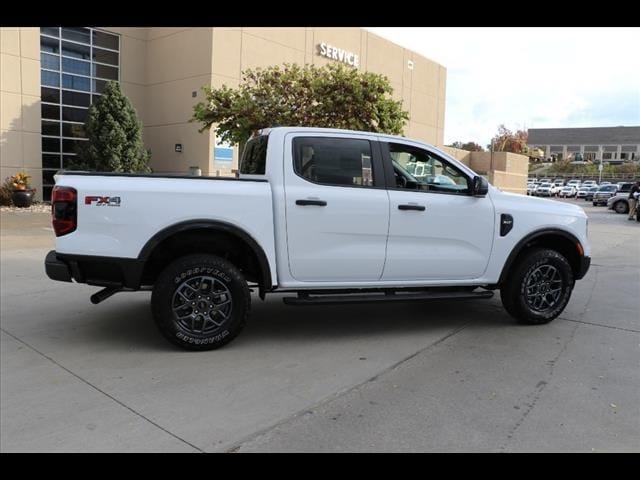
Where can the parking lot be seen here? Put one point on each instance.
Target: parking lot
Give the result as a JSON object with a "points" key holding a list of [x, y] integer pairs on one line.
{"points": [[437, 376]]}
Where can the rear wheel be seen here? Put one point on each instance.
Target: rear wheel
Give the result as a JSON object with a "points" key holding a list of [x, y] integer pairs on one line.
{"points": [[539, 287], [200, 302]]}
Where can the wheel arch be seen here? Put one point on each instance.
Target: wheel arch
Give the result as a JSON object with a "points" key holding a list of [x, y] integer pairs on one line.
{"points": [[562, 241], [208, 235]]}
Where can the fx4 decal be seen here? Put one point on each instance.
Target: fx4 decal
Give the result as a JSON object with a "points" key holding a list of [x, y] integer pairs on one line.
{"points": [[102, 201]]}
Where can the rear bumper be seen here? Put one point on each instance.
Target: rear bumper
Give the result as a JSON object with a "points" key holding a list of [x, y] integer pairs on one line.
{"points": [[56, 269], [100, 271]]}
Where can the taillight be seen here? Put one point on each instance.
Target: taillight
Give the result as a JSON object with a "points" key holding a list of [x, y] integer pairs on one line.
{"points": [[64, 202]]}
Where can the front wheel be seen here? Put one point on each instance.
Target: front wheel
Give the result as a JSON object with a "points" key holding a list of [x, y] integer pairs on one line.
{"points": [[621, 207], [200, 302], [539, 287]]}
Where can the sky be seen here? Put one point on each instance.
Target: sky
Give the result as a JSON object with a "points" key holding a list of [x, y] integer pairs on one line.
{"points": [[530, 77]]}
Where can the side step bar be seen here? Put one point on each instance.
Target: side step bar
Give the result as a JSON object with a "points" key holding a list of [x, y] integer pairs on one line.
{"points": [[325, 299]]}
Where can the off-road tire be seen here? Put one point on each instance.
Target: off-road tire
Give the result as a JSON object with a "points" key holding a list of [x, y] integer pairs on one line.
{"points": [[529, 266], [207, 273]]}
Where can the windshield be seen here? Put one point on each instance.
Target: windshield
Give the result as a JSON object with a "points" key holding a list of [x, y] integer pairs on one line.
{"points": [[608, 188]]}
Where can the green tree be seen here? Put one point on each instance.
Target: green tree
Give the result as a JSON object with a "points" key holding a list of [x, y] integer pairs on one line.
{"points": [[332, 96], [115, 136], [469, 146]]}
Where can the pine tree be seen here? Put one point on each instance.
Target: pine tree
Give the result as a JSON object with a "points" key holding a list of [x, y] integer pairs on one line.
{"points": [[115, 136]]}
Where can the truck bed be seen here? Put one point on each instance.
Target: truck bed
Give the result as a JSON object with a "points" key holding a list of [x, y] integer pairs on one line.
{"points": [[149, 203]]}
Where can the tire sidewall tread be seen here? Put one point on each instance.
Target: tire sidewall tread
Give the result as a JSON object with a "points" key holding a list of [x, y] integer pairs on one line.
{"points": [[190, 266], [512, 292]]}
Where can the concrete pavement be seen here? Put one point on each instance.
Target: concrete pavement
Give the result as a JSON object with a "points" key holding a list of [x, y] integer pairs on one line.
{"points": [[436, 376]]}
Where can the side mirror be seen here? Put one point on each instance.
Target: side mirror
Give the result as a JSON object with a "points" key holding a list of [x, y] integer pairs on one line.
{"points": [[411, 185], [480, 186]]}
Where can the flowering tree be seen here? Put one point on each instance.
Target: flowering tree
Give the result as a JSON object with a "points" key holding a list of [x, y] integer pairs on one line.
{"points": [[507, 141]]}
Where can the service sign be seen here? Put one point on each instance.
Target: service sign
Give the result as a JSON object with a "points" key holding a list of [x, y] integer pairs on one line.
{"points": [[334, 53]]}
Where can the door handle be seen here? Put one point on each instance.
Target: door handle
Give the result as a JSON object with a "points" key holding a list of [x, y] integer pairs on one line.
{"points": [[319, 203], [420, 208]]}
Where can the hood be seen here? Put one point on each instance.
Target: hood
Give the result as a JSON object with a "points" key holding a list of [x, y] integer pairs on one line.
{"points": [[537, 204]]}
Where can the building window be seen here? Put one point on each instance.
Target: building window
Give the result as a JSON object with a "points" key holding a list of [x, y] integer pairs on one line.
{"points": [[75, 65]]}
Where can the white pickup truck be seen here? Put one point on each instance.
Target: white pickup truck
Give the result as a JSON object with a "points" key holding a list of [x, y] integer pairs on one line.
{"points": [[330, 216]]}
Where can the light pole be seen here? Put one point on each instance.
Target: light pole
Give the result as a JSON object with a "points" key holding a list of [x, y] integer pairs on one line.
{"points": [[600, 171]]}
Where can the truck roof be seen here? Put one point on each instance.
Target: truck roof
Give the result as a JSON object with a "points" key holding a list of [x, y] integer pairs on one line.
{"points": [[266, 131]]}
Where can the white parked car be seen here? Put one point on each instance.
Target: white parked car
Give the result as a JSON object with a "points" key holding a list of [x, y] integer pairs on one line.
{"points": [[584, 190], [567, 192], [574, 183], [325, 216], [546, 190], [589, 183]]}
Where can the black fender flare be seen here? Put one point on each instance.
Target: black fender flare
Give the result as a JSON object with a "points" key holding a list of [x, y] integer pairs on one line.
{"points": [[532, 236], [213, 226]]}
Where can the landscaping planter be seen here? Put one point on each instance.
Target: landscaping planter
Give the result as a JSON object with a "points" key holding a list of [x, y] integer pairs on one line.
{"points": [[22, 198]]}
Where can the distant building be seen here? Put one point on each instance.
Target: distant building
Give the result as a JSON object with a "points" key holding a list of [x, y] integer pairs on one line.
{"points": [[607, 144]]}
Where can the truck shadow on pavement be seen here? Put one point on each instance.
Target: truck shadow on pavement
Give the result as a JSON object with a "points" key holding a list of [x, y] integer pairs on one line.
{"points": [[130, 324]]}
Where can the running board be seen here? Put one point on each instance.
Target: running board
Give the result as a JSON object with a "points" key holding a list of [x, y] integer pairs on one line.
{"points": [[327, 299]]}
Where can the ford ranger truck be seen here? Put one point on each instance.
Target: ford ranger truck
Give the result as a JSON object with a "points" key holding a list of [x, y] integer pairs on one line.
{"points": [[328, 216]]}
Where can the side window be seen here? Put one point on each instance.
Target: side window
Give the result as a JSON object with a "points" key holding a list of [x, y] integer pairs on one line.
{"points": [[417, 169], [254, 157], [333, 161]]}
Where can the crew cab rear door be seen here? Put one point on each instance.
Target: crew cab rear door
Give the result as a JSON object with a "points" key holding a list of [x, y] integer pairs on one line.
{"points": [[337, 207]]}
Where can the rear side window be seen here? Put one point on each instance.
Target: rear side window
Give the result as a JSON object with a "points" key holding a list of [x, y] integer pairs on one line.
{"points": [[333, 161], [254, 157]]}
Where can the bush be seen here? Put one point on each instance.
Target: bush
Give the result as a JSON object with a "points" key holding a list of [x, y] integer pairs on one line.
{"points": [[5, 192]]}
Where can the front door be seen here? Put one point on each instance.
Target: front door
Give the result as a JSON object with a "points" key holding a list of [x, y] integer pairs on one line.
{"points": [[337, 208], [437, 230]]}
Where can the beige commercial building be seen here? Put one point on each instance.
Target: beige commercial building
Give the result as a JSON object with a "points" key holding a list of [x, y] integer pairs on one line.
{"points": [[51, 75]]}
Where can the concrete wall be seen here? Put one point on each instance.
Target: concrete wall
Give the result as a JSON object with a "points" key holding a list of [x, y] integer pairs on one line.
{"points": [[505, 170], [160, 69], [20, 126]]}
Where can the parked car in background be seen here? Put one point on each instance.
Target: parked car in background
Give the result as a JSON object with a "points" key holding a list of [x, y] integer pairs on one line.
{"points": [[624, 186], [589, 183], [546, 190], [619, 203], [590, 193], [558, 182], [603, 194], [531, 188], [574, 183], [604, 183], [567, 192], [582, 191]]}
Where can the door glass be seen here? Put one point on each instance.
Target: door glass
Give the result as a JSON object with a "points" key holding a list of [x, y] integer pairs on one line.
{"points": [[417, 169], [333, 161]]}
